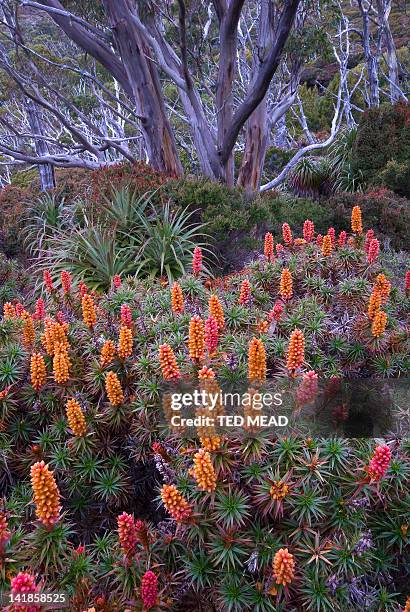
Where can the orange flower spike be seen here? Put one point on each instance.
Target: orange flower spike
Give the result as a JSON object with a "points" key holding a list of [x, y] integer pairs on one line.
{"points": [[245, 292], [216, 311], [383, 286], [47, 338], [379, 324], [168, 362], [61, 363], [211, 443], [327, 246], [75, 418], [177, 299], [256, 360], [286, 285], [357, 225], [374, 304], [55, 333], [113, 389], [287, 234], [4, 531], [203, 471], [196, 341], [175, 504], [9, 311], [206, 373], [263, 326], [38, 373], [283, 567], [296, 350], [278, 490], [268, 247], [108, 352], [125, 342], [29, 334], [407, 606], [88, 307], [46, 495]]}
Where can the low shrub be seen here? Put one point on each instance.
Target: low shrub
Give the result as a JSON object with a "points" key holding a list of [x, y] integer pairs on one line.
{"points": [[14, 281], [383, 134], [13, 206], [74, 185], [138, 177], [396, 176]]}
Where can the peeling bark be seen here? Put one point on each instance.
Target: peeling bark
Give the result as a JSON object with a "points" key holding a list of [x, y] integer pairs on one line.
{"points": [[228, 36], [146, 87], [259, 124], [262, 80]]}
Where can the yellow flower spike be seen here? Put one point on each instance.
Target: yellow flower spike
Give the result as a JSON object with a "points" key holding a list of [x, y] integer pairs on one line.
{"points": [[108, 352], [88, 307], [327, 246], [175, 504], [29, 334], [38, 373], [61, 363], [379, 324], [196, 342], [357, 225], [256, 360], [9, 311], [286, 285], [296, 350], [46, 495], [283, 567], [216, 311], [125, 342], [75, 418], [177, 299], [374, 304], [383, 286], [113, 388], [203, 471]]}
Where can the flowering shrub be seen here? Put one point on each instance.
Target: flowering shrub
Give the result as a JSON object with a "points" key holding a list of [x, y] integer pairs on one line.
{"points": [[103, 499]]}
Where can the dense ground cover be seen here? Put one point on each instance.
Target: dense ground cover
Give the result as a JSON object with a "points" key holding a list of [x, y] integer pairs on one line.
{"points": [[129, 514]]}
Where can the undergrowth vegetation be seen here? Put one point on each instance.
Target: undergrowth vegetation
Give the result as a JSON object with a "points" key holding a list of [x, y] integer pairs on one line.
{"points": [[105, 499]]}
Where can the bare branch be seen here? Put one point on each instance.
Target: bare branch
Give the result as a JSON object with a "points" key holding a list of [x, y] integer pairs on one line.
{"points": [[266, 72], [63, 13], [336, 122]]}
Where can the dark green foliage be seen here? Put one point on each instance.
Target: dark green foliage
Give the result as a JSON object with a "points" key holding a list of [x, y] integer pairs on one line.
{"points": [[383, 135], [396, 176], [13, 281]]}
